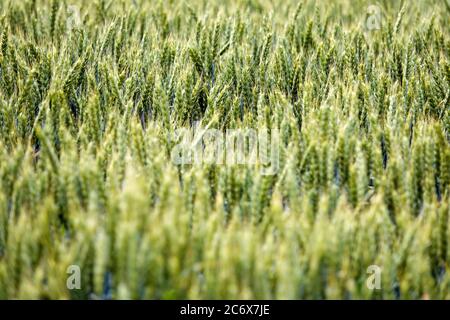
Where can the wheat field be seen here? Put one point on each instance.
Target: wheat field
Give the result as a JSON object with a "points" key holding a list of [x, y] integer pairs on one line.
{"points": [[92, 92]]}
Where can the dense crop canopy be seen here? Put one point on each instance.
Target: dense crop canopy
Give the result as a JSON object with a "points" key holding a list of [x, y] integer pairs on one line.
{"points": [[92, 94]]}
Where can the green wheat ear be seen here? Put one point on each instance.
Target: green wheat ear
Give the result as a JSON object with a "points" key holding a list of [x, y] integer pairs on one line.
{"points": [[53, 17], [4, 43], [86, 138]]}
